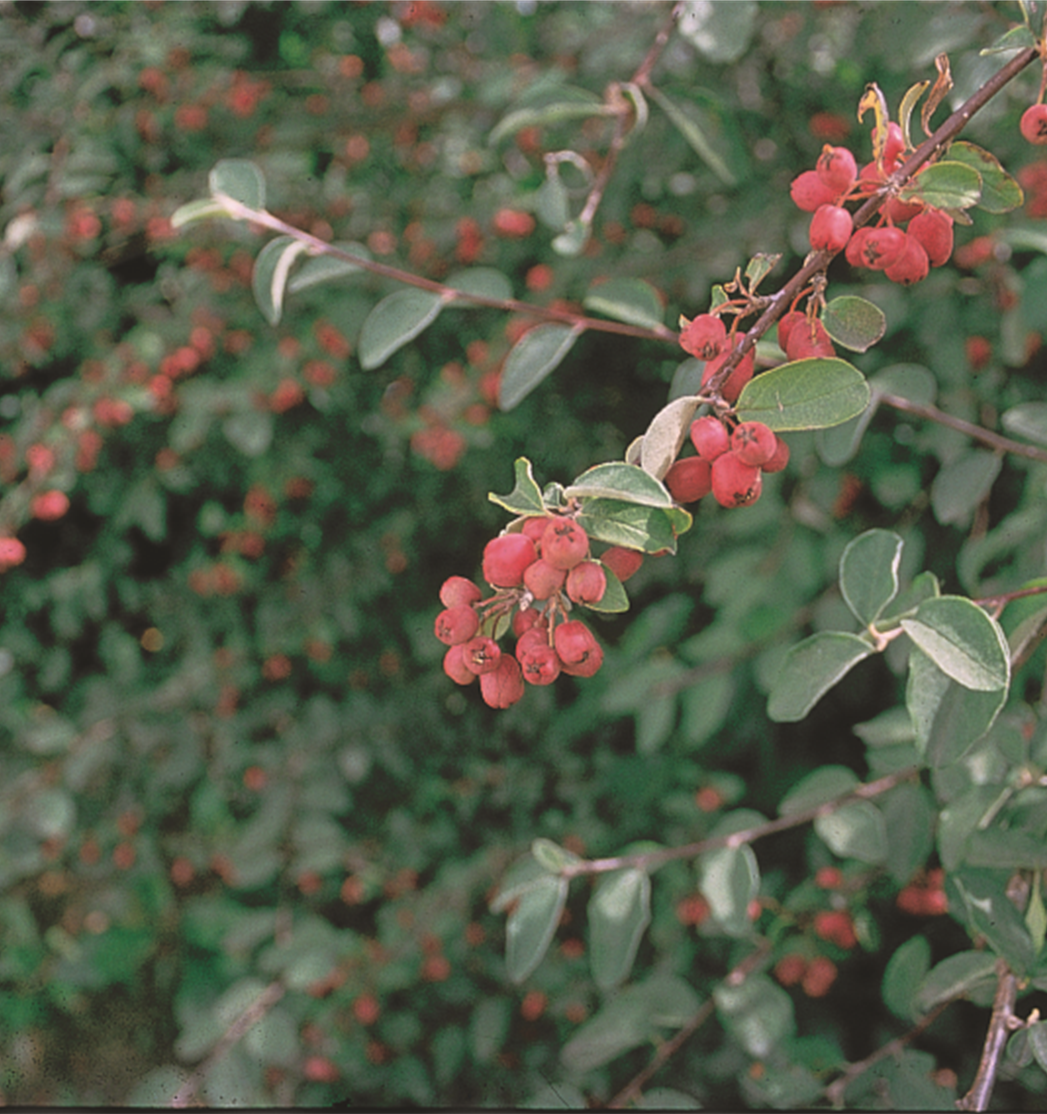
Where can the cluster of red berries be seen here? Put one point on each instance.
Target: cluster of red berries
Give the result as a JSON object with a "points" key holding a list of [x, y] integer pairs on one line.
{"points": [[911, 236], [730, 464], [539, 573]]}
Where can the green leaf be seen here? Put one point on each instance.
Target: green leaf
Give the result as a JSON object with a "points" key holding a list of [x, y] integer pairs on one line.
{"points": [[1036, 915], [910, 820], [526, 496], [1000, 192], [855, 831], [572, 240], [824, 784], [618, 480], [729, 879], [954, 977], [760, 266], [721, 32], [854, 322], [649, 529], [619, 912], [482, 282], [269, 277], [905, 971], [992, 914], [557, 105], [946, 185], [324, 268], [1017, 38], [626, 299], [395, 321], [758, 1014], [1028, 420], [666, 434], [912, 381], [551, 856], [962, 484], [250, 431], [538, 352], [805, 394], [685, 123], [810, 669], [204, 209], [869, 573], [963, 641], [615, 599], [239, 179], [531, 925]]}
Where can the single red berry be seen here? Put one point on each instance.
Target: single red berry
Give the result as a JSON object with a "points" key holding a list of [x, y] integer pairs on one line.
{"points": [[819, 977], [542, 579], [808, 191], [622, 562], [870, 179], [911, 266], [899, 211], [457, 625], [753, 442], [530, 639], [933, 229], [878, 247], [736, 380], [705, 337], [534, 528], [837, 927], [455, 667], [539, 663], [735, 483], [457, 590], [979, 351], [710, 437], [829, 877], [809, 340], [1034, 124], [587, 582], [481, 655], [49, 505], [513, 224], [831, 228], [779, 458], [790, 969], [504, 684], [837, 169], [564, 543], [579, 652], [690, 479], [524, 621], [12, 553], [895, 145], [505, 559], [787, 323]]}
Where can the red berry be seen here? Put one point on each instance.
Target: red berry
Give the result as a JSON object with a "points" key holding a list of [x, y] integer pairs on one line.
{"points": [[894, 146], [456, 590], [808, 191], [564, 543], [542, 579], [979, 352], [900, 211], [911, 266], [579, 652], [505, 559], [457, 625], [877, 248], [530, 639], [735, 483], [705, 337], [829, 877], [819, 977], [808, 340], [534, 528], [504, 684], [837, 927], [622, 562], [736, 380], [50, 505], [831, 228], [481, 655], [790, 969], [524, 621], [779, 458], [455, 667], [753, 442], [837, 169], [513, 224], [710, 437], [587, 582], [12, 553], [789, 321], [539, 663], [1034, 124], [933, 229], [689, 480]]}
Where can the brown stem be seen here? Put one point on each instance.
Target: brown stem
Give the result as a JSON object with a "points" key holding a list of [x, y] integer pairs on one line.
{"points": [[652, 859], [977, 1098]]}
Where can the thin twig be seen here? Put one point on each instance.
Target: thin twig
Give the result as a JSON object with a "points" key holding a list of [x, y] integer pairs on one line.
{"points": [[233, 1035], [977, 1098], [652, 859], [669, 1048]]}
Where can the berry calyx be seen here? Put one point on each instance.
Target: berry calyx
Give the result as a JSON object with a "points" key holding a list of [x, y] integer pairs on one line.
{"points": [[456, 625], [505, 559], [539, 663], [689, 480], [542, 579], [564, 544], [831, 228], [710, 437], [623, 562], [586, 582], [579, 652], [481, 655], [705, 337], [735, 483], [753, 443], [503, 685], [875, 248], [1033, 124], [457, 590]]}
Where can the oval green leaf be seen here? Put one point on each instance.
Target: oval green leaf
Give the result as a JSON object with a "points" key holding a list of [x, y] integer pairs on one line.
{"points": [[729, 879], [526, 496], [204, 209], [854, 831], [239, 179], [954, 977], [1029, 420], [962, 484], [627, 299], [323, 268], [869, 573], [619, 913], [758, 1013], [271, 270], [962, 641], [481, 282], [618, 480], [563, 103], [616, 522], [854, 322], [946, 185], [1000, 192], [905, 971], [665, 436], [551, 856], [825, 784], [805, 394], [533, 357], [394, 322], [810, 669], [531, 925]]}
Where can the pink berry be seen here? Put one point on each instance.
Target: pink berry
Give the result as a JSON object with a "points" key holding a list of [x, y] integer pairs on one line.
{"points": [[457, 590], [623, 562], [735, 483], [736, 380], [875, 248], [809, 340], [530, 640], [12, 553], [837, 169], [49, 505], [933, 229], [564, 544], [457, 625], [808, 191], [710, 437], [779, 458], [753, 443], [689, 480], [534, 528], [587, 582], [579, 652], [1034, 124], [455, 667], [505, 559], [899, 211], [831, 228], [894, 147], [539, 663], [503, 685], [911, 266], [481, 655], [705, 337], [786, 325], [524, 621], [542, 579]]}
